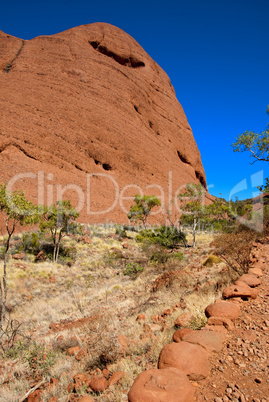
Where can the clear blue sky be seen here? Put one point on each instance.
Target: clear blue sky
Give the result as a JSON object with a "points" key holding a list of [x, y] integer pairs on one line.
{"points": [[215, 52]]}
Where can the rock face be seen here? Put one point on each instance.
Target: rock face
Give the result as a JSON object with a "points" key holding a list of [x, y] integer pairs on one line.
{"points": [[87, 112]]}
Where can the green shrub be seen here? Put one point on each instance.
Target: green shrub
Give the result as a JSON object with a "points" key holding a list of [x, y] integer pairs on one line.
{"points": [[121, 231], [198, 321], [159, 256], [166, 236], [178, 256], [39, 358], [133, 269], [31, 242]]}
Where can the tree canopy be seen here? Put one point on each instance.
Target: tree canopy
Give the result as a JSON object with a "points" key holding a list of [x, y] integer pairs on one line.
{"points": [[59, 220], [257, 144], [142, 208]]}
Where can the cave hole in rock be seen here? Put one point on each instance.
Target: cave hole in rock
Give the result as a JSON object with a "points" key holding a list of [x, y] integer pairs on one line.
{"points": [[136, 109], [183, 158], [106, 166], [124, 61], [200, 178]]}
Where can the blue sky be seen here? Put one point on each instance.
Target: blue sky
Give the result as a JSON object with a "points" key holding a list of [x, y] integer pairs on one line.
{"points": [[215, 52]]}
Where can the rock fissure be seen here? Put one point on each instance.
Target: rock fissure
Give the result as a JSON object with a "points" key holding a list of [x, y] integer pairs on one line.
{"points": [[124, 61], [10, 64], [12, 144]]}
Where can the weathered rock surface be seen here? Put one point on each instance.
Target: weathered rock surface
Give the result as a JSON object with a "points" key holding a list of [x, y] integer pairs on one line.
{"points": [[226, 322], [256, 271], [180, 333], [240, 290], [86, 398], [169, 384], [211, 341], [89, 109], [189, 358], [223, 309], [250, 280]]}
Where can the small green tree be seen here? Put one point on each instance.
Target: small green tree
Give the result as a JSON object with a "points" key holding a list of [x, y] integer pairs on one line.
{"points": [[15, 210], [142, 208], [193, 206], [257, 144], [59, 220]]}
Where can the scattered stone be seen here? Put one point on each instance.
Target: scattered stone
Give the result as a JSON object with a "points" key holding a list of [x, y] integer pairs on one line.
{"points": [[82, 353], [72, 351], [53, 399], [116, 377], [140, 317], [124, 342], [183, 320], [191, 359], [35, 396], [250, 280], [98, 384], [19, 256], [223, 309], [86, 398], [178, 335], [80, 380], [41, 256], [52, 279], [242, 290], [168, 384], [85, 239]]}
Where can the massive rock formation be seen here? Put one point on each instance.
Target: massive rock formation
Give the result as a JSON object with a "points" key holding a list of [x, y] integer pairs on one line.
{"points": [[87, 112]]}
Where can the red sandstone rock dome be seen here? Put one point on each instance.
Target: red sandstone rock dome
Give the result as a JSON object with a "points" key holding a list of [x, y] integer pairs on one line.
{"points": [[88, 115]]}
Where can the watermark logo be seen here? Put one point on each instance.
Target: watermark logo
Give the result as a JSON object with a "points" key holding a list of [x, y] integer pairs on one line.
{"points": [[48, 191]]}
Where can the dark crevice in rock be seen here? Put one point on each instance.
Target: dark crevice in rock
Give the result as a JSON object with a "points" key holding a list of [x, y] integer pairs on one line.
{"points": [[136, 109], [201, 179], [11, 144], [105, 166], [124, 61], [77, 167], [8, 67], [183, 158]]}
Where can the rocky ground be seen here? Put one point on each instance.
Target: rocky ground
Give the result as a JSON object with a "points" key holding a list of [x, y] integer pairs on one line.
{"points": [[95, 329], [227, 359], [240, 371]]}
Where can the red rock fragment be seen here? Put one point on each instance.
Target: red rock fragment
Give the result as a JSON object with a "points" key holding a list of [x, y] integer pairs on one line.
{"points": [[178, 335], [224, 309], [98, 384], [191, 359], [168, 384]]}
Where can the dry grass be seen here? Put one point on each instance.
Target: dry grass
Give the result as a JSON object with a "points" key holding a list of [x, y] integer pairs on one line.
{"points": [[94, 285]]}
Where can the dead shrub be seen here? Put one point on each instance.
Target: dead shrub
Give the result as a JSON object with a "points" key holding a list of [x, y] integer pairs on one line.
{"points": [[106, 351], [235, 249], [61, 344]]}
